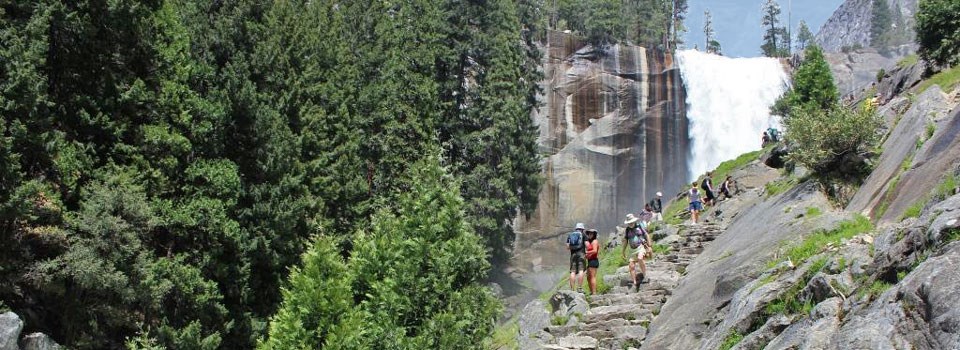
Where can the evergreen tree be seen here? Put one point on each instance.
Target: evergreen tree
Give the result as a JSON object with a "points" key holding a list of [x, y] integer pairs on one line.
{"points": [[603, 23], [428, 297], [804, 36], [679, 14], [711, 44], [880, 23], [774, 34], [938, 31]]}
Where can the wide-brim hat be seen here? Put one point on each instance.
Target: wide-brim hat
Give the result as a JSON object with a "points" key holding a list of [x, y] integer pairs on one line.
{"points": [[592, 231], [580, 226], [630, 219]]}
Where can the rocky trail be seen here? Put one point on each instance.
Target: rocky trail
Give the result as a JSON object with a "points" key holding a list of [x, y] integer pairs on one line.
{"points": [[617, 319]]}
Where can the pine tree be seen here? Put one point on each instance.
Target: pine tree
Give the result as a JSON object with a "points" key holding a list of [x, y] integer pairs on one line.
{"points": [[711, 44], [804, 36], [774, 34], [679, 14]]}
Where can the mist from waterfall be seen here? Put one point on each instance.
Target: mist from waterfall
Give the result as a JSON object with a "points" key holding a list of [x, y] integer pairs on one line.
{"points": [[728, 105]]}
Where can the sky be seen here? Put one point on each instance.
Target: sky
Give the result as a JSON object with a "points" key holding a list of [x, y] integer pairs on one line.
{"points": [[737, 22]]}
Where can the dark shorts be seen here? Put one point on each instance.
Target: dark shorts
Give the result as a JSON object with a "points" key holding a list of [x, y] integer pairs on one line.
{"points": [[577, 262], [594, 263], [710, 195], [698, 206]]}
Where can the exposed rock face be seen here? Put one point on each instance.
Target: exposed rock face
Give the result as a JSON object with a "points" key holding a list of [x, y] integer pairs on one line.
{"points": [[759, 227], [613, 125], [850, 24], [38, 341], [10, 328], [855, 72], [938, 155]]}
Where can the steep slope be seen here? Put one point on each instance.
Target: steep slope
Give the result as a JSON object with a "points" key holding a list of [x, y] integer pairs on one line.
{"points": [[835, 284]]}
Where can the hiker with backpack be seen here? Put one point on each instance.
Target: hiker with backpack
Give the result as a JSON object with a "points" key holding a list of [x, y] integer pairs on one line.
{"points": [[639, 241], [657, 207], [707, 187], [577, 247], [593, 259], [695, 204], [774, 134]]}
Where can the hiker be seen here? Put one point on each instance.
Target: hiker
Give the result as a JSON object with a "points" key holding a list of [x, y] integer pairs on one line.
{"points": [[593, 259], [657, 206], [695, 204], [707, 187], [765, 139], [725, 187], [774, 134], [576, 246], [647, 214], [638, 240]]}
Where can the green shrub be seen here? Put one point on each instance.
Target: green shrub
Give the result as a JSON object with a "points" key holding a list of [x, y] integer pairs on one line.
{"points": [[951, 235], [938, 31], [931, 129], [661, 249], [824, 138], [914, 210], [559, 320], [504, 337], [875, 289], [813, 212], [731, 340], [776, 187]]}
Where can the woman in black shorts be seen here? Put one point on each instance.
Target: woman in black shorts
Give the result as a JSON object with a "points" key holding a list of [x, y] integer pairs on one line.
{"points": [[593, 259]]}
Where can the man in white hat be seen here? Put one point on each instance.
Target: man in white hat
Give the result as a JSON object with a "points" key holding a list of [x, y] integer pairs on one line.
{"points": [[657, 207], [578, 262], [637, 239]]}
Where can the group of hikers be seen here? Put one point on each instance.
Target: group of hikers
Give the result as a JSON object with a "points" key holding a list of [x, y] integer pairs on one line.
{"points": [[706, 195], [584, 246]]}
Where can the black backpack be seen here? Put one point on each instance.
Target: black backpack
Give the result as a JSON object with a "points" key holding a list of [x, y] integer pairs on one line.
{"points": [[575, 239], [703, 185]]}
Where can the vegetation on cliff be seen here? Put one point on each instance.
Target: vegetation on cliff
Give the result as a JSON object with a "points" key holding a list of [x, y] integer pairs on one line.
{"points": [[824, 136], [938, 31], [164, 163]]}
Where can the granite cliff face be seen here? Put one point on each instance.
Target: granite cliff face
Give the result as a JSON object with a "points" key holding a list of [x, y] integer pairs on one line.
{"points": [[849, 26], [613, 127], [854, 59]]}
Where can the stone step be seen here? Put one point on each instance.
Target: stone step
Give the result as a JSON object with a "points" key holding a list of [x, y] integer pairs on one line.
{"points": [[604, 325], [623, 311], [618, 319]]}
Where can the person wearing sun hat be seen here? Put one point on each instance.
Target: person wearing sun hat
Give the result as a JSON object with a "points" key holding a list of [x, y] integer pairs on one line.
{"points": [[637, 239]]}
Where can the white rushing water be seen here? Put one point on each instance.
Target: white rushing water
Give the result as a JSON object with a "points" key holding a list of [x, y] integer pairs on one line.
{"points": [[728, 105]]}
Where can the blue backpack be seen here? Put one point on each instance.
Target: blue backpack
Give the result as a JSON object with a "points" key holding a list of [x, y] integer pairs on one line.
{"points": [[575, 239]]}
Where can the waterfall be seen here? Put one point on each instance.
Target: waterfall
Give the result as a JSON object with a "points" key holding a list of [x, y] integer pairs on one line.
{"points": [[728, 105]]}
